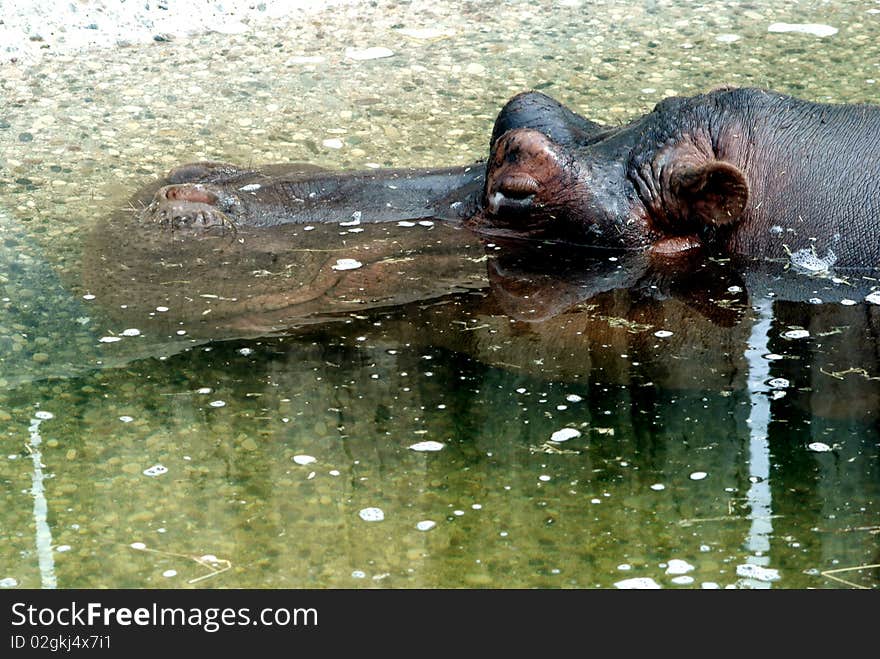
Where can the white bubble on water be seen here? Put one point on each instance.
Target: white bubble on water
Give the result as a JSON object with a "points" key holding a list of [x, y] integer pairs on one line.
{"points": [[678, 566], [698, 475], [638, 583], [658, 486], [819, 447], [155, 470], [662, 334], [303, 459], [217, 403], [138, 545], [574, 398], [426, 446], [126, 419], [43, 415], [63, 548], [169, 573], [565, 434], [204, 390], [756, 572], [131, 331], [371, 514], [426, 525]]}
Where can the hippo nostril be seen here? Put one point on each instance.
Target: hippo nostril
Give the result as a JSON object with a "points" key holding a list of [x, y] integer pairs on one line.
{"points": [[190, 193], [518, 186]]}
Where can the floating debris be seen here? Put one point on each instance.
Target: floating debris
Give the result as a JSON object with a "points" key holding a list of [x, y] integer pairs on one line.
{"points": [[304, 459], [155, 470], [638, 583], [426, 525], [574, 398], [678, 566], [217, 403], [727, 38], [683, 580], [814, 29], [778, 383], [347, 264], [662, 334], [126, 419], [169, 573], [657, 487], [371, 514], [110, 339], [333, 143], [132, 331], [375, 52], [426, 446], [756, 572], [698, 475], [819, 447], [795, 334], [8, 582], [565, 434], [873, 298]]}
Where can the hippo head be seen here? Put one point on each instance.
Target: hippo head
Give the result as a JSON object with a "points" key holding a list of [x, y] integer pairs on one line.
{"points": [[653, 183]]}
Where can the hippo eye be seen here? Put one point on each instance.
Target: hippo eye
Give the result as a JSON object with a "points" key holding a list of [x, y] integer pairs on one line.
{"points": [[518, 186]]}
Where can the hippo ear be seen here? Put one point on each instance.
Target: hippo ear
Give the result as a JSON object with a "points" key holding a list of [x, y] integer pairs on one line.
{"points": [[713, 192]]}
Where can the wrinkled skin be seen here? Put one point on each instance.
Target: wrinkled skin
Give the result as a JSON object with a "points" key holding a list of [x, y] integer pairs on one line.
{"points": [[740, 171]]}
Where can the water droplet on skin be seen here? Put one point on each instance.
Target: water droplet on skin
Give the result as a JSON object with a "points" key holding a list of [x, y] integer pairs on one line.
{"points": [[346, 264]]}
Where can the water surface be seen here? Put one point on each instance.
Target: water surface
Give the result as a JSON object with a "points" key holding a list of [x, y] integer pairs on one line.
{"points": [[723, 420]]}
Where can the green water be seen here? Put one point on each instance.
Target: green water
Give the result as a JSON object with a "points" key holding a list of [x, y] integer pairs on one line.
{"points": [[686, 451]]}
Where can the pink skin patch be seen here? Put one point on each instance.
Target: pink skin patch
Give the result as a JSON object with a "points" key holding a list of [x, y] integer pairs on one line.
{"points": [[675, 245], [191, 193]]}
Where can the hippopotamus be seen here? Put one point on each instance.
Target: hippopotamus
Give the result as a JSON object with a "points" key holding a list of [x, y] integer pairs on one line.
{"points": [[735, 170], [738, 170]]}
